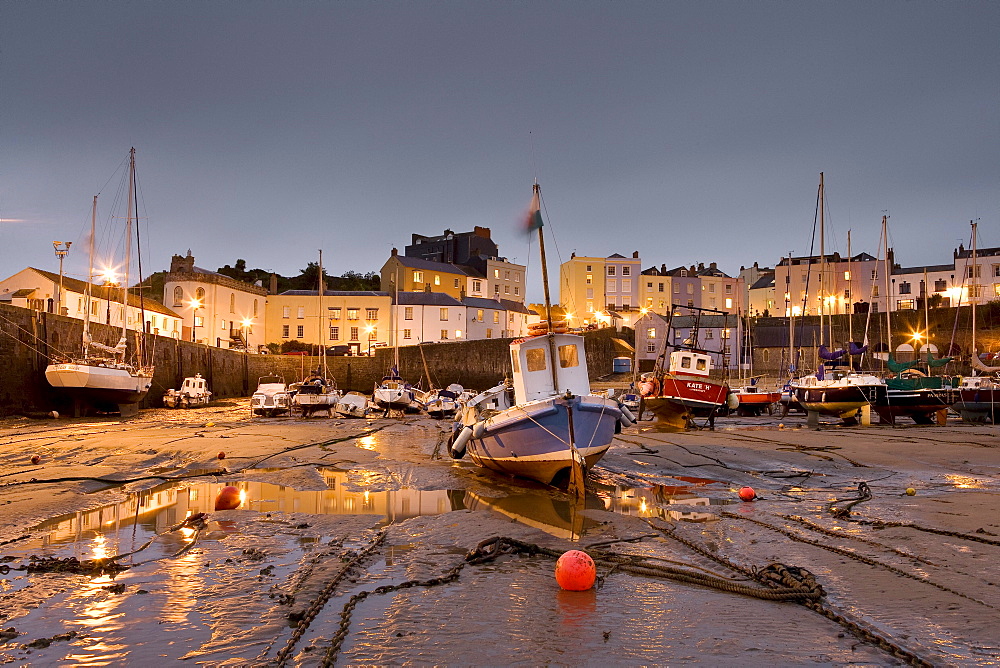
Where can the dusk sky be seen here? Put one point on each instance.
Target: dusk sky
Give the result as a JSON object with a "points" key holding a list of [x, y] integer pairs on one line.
{"points": [[689, 131]]}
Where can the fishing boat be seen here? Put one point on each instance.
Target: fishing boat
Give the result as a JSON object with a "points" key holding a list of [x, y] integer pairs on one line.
{"points": [[683, 389], [353, 405], [193, 392], [754, 400], [271, 397], [104, 377], [556, 425], [317, 392]]}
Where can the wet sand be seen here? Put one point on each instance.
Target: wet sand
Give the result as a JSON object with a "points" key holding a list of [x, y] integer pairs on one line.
{"points": [[919, 571]]}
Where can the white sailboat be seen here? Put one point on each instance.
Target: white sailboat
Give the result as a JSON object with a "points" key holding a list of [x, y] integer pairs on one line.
{"points": [[318, 391], [102, 377], [392, 392]]}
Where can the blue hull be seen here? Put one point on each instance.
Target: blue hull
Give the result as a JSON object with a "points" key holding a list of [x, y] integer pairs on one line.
{"points": [[533, 440]]}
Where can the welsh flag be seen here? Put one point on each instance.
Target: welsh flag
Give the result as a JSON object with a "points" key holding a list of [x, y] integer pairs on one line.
{"points": [[533, 220]]}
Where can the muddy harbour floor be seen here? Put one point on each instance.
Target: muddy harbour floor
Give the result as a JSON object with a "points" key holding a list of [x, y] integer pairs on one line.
{"points": [[351, 546]]}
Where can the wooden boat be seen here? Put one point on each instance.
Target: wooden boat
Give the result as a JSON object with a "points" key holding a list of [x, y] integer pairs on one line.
{"points": [[555, 426], [754, 400], [193, 392], [684, 390], [103, 378]]}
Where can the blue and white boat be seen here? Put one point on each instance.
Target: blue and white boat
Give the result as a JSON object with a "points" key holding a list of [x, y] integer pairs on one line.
{"points": [[555, 425]]}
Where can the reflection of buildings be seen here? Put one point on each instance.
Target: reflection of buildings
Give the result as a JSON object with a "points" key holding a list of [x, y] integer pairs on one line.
{"points": [[164, 506], [651, 502]]}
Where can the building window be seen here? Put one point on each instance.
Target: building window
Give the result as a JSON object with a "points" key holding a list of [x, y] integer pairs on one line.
{"points": [[972, 272], [286, 311], [418, 277], [335, 333], [489, 333], [496, 292], [200, 295], [729, 288], [373, 335], [300, 313], [940, 285], [905, 305], [729, 302], [371, 314], [408, 313], [690, 287], [709, 334], [496, 317], [479, 315], [444, 334], [650, 347], [334, 312], [677, 288], [651, 333], [711, 287], [284, 331], [456, 283], [612, 285], [517, 291], [300, 331], [626, 271], [496, 273], [352, 314], [354, 333], [904, 288], [407, 333], [477, 286], [517, 276], [590, 279], [437, 279], [590, 267], [659, 288], [178, 296], [444, 314], [874, 291], [506, 289], [611, 270], [684, 273], [626, 285]]}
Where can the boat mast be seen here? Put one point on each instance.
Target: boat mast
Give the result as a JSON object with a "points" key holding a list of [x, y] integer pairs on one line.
{"points": [[973, 293], [553, 357], [791, 319], [322, 344], [90, 278], [850, 291], [128, 253], [885, 281], [822, 263]]}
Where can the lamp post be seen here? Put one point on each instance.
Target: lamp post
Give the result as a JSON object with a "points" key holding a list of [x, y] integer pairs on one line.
{"points": [[195, 304], [368, 330], [246, 328], [61, 253]]}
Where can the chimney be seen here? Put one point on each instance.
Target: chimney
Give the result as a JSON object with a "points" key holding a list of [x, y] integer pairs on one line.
{"points": [[635, 254], [273, 289], [395, 252], [663, 270], [713, 266], [483, 232], [701, 266]]}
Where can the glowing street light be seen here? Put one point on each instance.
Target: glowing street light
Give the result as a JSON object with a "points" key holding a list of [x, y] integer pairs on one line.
{"points": [[246, 322], [195, 304]]}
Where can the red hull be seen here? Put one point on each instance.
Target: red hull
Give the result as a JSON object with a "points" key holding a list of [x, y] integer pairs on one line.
{"points": [[677, 399]]}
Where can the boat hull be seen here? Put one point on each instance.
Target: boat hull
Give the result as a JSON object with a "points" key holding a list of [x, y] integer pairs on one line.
{"points": [[921, 405], [676, 400], [353, 406], [105, 388], [755, 403], [843, 401], [979, 405], [532, 440]]}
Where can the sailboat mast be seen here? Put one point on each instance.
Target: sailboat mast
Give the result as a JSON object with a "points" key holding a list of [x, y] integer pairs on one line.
{"points": [[850, 291], [90, 280], [885, 281], [319, 291], [973, 292], [128, 244], [536, 205], [791, 319], [822, 261]]}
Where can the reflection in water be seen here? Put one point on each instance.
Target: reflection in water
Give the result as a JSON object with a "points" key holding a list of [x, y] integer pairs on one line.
{"points": [[965, 482]]}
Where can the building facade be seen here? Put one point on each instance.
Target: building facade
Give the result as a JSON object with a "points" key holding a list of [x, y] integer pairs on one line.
{"points": [[589, 287], [358, 320], [215, 309]]}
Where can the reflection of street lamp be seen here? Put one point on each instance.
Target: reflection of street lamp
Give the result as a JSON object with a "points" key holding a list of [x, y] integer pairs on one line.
{"points": [[195, 304], [61, 253]]}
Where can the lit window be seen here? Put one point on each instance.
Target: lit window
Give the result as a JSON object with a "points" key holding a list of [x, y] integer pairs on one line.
{"points": [[651, 333], [496, 316], [437, 280], [286, 311], [444, 313], [444, 334], [284, 331], [334, 312], [371, 314], [729, 302], [489, 333], [418, 277], [408, 313], [496, 273], [407, 333], [352, 314]]}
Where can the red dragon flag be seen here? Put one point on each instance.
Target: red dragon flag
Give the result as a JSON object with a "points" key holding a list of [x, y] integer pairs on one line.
{"points": [[533, 220]]}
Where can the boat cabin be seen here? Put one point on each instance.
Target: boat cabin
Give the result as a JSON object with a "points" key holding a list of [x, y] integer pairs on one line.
{"points": [[690, 363], [533, 373], [194, 385]]}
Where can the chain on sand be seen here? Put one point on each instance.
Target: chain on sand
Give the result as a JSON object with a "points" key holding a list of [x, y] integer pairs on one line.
{"points": [[781, 575]]}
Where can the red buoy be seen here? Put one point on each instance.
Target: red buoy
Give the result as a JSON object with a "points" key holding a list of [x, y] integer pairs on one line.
{"points": [[228, 499], [747, 494], [575, 571], [35, 459], [222, 455]]}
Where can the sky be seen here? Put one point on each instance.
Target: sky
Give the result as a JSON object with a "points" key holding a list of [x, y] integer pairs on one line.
{"points": [[688, 131]]}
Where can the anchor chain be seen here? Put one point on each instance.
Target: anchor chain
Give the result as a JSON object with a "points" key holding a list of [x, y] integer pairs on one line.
{"points": [[324, 596], [864, 494], [840, 534]]}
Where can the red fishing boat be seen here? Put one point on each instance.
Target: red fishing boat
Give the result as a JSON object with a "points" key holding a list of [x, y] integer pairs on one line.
{"points": [[684, 391]]}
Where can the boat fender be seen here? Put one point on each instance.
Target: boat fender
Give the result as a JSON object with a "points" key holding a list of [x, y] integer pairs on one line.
{"points": [[733, 401], [457, 448], [478, 430], [627, 419], [650, 387]]}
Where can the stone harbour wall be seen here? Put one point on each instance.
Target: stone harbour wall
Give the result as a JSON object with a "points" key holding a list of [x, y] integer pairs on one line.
{"points": [[28, 339]]}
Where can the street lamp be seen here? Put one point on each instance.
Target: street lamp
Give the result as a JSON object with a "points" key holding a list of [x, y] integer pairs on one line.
{"points": [[195, 304], [368, 330], [61, 253], [246, 322]]}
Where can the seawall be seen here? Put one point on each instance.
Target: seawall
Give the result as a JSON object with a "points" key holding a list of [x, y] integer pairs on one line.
{"points": [[29, 339]]}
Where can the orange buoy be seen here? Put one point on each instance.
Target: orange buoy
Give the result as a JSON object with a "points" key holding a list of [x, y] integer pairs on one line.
{"points": [[35, 459], [747, 494], [575, 571], [222, 455], [228, 499]]}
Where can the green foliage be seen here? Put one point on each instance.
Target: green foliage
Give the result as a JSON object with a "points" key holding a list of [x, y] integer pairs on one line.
{"points": [[295, 346], [152, 286]]}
